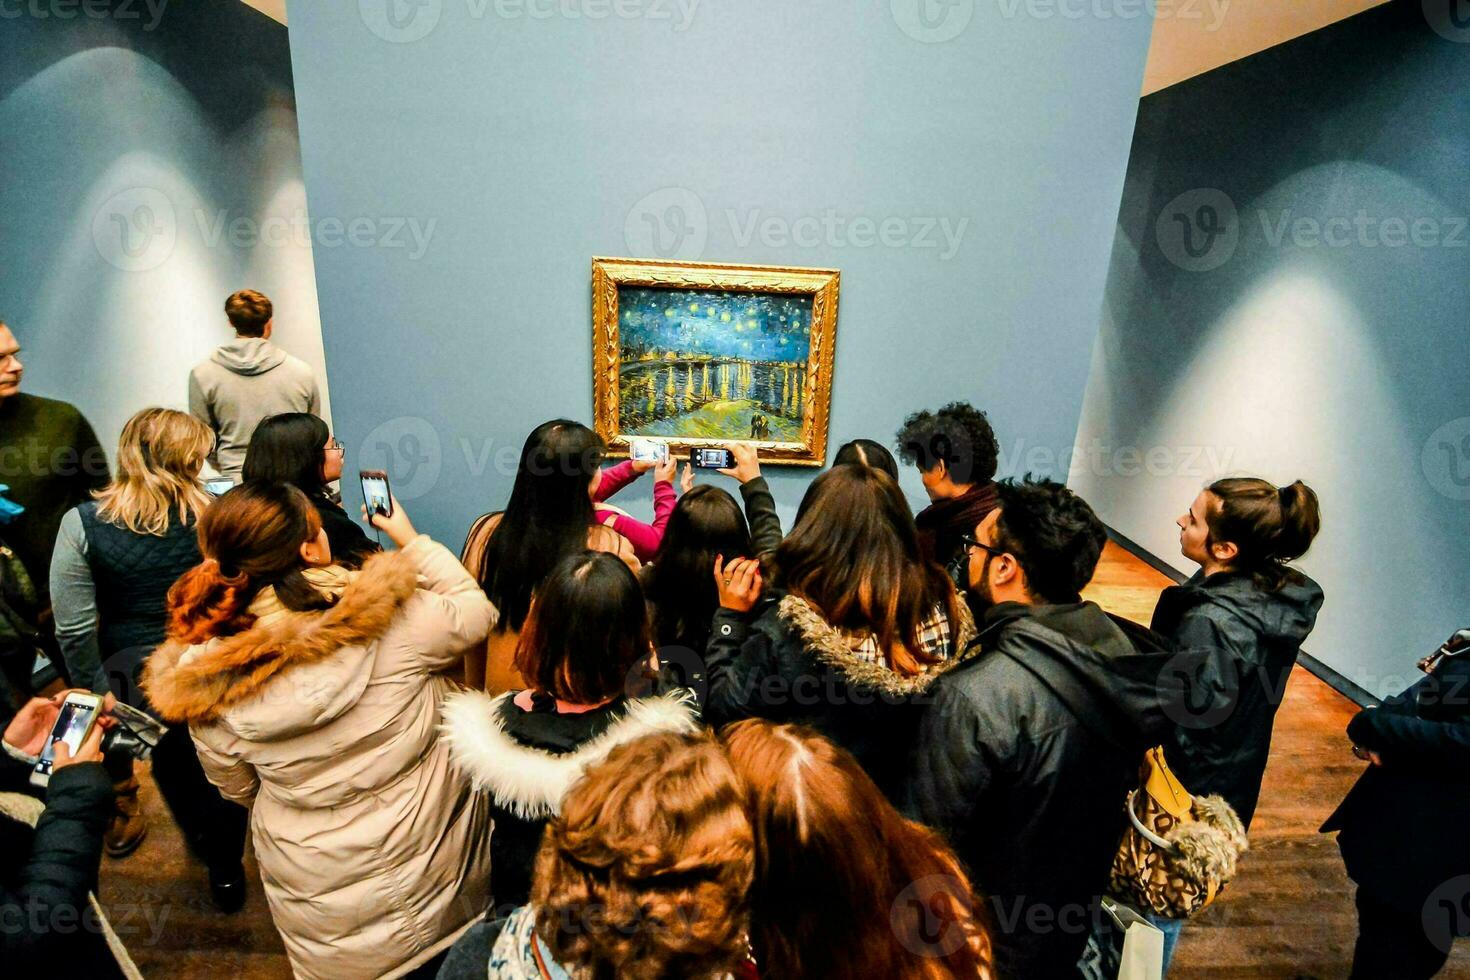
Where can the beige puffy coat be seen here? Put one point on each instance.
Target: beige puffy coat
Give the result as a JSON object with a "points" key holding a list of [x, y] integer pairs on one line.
{"points": [[374, 853]]}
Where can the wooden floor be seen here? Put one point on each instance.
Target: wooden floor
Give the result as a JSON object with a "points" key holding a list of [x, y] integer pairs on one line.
{"points": [[1289, 914]]}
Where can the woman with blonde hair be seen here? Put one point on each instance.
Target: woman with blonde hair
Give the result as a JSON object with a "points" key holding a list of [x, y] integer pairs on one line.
{"points": [[116, 557], [642, 876], [845, 886]]}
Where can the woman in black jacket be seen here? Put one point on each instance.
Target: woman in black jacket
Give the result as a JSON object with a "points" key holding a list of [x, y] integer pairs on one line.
{"points": [[705, 523], [1403, 824], [1249, 612], [584, 647], [853, 633], [47, 872], [298, 448]]}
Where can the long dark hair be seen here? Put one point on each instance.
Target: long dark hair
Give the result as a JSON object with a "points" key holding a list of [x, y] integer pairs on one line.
{"points": [[1270, 526], [250, 538], [289, 448], [854, 554], [547, 518], [845, 887], [681, 591], [586, 630]]}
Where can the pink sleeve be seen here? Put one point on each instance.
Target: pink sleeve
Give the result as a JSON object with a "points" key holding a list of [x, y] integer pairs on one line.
{"points": [[614, 478], [644, 538], [663, 505]]}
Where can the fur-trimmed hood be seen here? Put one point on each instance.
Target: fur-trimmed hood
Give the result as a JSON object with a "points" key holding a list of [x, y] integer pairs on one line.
{"points": [[326, 654], [835, 649], [530, 782]]}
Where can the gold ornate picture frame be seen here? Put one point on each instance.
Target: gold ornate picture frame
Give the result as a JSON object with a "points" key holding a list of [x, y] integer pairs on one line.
{"points": [[707, 354]]}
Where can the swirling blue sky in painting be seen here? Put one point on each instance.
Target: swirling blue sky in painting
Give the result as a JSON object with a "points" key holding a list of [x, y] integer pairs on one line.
{"points": [[751, 326]]}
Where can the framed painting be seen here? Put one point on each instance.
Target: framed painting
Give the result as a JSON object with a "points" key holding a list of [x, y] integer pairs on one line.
{"points": [[703, 354]]}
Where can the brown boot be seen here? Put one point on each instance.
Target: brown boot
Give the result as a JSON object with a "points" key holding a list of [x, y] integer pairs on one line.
{"points": [[129, 825]]}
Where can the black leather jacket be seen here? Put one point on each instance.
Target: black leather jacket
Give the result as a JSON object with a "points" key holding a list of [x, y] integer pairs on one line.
{"points": [[1025, 760]]}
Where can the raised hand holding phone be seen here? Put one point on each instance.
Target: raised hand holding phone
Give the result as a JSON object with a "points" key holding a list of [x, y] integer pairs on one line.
{"points": [[394, 523], [747, 462]]}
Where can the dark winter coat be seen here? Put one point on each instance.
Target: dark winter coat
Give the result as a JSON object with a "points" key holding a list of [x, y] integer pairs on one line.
{"points": [[1250, 637], [47, 925], [1025, 760], [1404, 823], [785, 663], [527, 760]]}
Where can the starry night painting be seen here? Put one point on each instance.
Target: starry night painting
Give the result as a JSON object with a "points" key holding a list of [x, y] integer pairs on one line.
{"points": [[700, 354], [712, 365]]}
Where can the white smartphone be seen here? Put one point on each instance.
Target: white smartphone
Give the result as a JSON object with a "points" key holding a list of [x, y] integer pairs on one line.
{"points": [[650, 450], [78, 714]]}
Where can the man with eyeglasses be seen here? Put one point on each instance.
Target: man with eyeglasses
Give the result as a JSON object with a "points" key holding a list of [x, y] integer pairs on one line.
{"points": [[50, 461], [1026, 755], [247, 380]]}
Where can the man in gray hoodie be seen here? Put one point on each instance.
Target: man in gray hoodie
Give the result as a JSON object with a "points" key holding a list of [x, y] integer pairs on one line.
{"points": [[246, 381]]}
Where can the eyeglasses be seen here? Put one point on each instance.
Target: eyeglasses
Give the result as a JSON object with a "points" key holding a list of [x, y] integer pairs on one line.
{"points": [[970, 542], [335, 446]]}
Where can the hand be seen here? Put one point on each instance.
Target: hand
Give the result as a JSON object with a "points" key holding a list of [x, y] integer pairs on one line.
{"points": [[747, 462], [686, 479], [91, 751], [641, 466], [398, 527], [32, 725], [664, 470], [739, 583]]}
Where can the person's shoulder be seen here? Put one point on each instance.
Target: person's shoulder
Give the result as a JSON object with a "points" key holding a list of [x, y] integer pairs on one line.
{"points": [[39, 406]]}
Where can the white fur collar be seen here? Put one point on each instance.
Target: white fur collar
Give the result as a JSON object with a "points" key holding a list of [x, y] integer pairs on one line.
{"points": [[528, 782]]}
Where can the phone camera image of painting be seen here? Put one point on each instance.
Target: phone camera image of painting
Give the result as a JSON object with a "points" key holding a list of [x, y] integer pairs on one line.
{"points": [[712, 365]]}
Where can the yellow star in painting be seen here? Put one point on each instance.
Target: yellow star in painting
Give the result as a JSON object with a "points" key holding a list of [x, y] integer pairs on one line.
{"points": [[669, 312], [693, 307], [725, 317]]}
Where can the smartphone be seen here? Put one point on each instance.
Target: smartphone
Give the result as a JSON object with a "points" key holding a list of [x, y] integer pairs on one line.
{"points": [[375, 492], [650, 450], [216, 487], [78, 714], [711, 459]]}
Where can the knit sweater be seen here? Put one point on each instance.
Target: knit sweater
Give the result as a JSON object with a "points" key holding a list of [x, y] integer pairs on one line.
{"points": [[51, 461]]}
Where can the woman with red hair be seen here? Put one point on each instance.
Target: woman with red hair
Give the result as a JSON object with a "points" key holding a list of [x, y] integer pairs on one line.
{"points": [[312, 693], [845, 887]]}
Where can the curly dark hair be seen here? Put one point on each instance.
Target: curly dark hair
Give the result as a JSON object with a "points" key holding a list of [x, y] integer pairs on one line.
{"points": [[959, 434], [1055, 536]]}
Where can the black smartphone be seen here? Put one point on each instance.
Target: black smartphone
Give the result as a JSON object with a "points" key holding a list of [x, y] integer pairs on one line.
{"points": [[375, 493], [707, 458]]}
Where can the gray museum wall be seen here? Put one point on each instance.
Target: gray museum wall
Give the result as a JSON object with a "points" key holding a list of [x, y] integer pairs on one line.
{"points": [[151, 169], [963, 173], [1317, 332]]}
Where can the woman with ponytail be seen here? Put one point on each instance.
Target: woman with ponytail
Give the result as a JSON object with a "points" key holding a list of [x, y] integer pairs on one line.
{"points": [[1251, 611], [312, 693]]}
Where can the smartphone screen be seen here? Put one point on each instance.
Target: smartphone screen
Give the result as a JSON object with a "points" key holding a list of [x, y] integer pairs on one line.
{"points": [[219, 486], [712, 459], [650, 450], [375, 492], [71, 727]]}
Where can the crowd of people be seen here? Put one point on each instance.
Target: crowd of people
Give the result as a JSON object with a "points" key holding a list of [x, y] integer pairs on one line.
{"points": [[875, 744]]}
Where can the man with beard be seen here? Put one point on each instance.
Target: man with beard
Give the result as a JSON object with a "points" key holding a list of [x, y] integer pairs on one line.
{"points": [[1027, 753]]}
